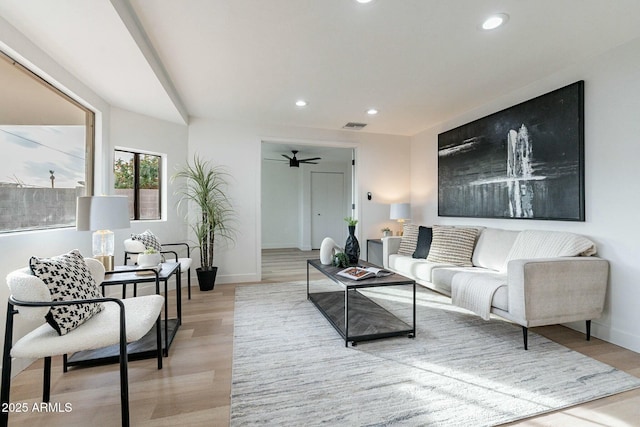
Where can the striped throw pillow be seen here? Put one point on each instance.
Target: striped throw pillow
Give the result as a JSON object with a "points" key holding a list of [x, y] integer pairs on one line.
{"points": [[452, 245], [409, 239]]}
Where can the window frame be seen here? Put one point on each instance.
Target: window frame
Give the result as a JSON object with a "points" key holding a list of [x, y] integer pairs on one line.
{"points": [[89, 146], [136, 180]]}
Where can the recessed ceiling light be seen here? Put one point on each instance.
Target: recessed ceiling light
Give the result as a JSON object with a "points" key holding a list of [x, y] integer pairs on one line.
{"points": [[364, 1], [301, 103], [372, 111], [495, 21]]}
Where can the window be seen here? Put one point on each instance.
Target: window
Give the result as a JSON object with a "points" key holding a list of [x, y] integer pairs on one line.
{"points": [[46, 140], [137, 176]]}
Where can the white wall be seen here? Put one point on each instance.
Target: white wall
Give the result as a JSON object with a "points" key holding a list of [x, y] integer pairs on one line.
{"points": [[281, 192], [612, 129], [381, 168]]}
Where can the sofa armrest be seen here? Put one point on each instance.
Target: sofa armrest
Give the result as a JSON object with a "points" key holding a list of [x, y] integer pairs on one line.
{"points": [[556, 290], [390, 246]]}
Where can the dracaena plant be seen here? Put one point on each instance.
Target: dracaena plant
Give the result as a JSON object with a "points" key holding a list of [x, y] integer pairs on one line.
{"points": [[205, 205]]}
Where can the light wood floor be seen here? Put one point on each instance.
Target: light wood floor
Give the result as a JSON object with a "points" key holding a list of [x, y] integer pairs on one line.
{"points": [[194, 387]]}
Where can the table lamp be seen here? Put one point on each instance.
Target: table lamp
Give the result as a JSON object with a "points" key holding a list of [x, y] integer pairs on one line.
{"points": [[400, 212], [101, 214]]}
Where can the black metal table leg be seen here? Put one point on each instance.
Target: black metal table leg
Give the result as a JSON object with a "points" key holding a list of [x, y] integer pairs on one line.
{"points": [[346, 317]]}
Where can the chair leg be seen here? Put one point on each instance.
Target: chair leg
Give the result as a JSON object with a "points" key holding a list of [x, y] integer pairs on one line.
{"points": [[124, 375], [525, 337], [135, 290], [65, 365], [588, 330], [189, 282], [159, 341], [6, 365], [46, 382]]}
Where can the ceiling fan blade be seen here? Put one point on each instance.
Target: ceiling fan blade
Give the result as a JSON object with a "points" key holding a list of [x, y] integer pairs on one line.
{"points": [[311, 158], [287, 157], [307, 162]]}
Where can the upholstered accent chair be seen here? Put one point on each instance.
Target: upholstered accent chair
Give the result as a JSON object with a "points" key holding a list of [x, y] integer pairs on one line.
{"points": [[114, 321], [137, 244]]}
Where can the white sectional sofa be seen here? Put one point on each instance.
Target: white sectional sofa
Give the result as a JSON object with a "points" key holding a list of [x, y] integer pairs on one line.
{"points": [[532, 278]]}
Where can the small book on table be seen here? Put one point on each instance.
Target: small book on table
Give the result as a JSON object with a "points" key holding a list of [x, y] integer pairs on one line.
{"points": [[360, 273]]}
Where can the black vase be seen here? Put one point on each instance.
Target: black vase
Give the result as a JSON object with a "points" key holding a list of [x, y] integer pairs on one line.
{"points": [[206, 278], [352, 247]]}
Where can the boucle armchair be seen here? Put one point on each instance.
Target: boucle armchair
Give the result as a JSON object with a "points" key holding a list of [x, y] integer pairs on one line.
{"points": [[116, 322], [138, 243]]}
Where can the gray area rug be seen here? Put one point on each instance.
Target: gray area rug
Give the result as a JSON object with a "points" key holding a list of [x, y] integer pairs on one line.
{"points": [[291, 368]]}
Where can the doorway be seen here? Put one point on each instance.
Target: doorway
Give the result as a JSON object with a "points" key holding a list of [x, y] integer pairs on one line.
{"points": [[327, 207], [292, 196]]}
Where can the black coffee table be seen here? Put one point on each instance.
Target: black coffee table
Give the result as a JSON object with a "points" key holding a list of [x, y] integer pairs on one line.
{"points": [[355, 316]]}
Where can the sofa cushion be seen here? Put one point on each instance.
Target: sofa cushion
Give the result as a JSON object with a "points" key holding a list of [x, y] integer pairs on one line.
{"points": [[409, 239], [442, 277], [492, 248], [425, 236], [452, 245], [415, 268]]}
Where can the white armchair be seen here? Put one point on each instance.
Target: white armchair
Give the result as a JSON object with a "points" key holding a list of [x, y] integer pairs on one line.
{"points": [[119, 322], [132, 248]]}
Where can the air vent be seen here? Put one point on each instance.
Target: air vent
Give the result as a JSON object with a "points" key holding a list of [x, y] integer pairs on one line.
{"points": [[354, 126]]}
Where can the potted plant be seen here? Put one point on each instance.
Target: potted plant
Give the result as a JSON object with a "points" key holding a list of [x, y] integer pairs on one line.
{"points": [[209, 212], [386, 232], [149, 258]]}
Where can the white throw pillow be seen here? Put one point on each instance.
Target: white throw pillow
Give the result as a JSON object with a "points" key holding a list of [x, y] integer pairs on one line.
{"points": [[68, 278], [148, 239], [409, 239], [452, 245]]}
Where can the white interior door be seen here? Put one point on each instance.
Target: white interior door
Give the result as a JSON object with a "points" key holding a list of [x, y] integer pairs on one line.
{"points": [[327, 207]]}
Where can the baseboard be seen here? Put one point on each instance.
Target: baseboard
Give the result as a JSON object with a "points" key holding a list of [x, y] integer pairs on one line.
{"points": [[279, 245], [238, 278]]}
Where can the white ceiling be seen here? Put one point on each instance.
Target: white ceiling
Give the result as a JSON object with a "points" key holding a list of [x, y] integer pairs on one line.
{"points": [[418, 61]]}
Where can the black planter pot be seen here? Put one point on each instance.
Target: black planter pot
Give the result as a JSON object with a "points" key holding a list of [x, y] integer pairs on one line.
{"points": [[206, 278], [352, 247]]}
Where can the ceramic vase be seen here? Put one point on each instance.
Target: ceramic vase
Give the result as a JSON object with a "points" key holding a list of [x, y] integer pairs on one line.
{"points": [[149, 260], [352, 247]]}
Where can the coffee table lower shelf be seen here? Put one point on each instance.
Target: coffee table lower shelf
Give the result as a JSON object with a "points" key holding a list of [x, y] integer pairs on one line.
{"points": [[144, 348], [367, 319]]}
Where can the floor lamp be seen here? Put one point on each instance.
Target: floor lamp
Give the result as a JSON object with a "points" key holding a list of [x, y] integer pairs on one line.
{"points": [[101, 214]]}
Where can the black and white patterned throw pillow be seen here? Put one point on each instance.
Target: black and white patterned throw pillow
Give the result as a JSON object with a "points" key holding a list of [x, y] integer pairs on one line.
{"points": [[148, 239], [68, 278]]}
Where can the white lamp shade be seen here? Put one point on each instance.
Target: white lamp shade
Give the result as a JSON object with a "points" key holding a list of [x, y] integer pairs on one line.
{"points": [[102, 213], [400, 211]]}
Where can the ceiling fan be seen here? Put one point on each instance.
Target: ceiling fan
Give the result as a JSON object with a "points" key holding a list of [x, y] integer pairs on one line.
{"points": [[295, 162]]}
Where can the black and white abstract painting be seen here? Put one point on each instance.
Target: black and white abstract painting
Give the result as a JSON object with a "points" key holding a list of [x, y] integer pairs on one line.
{"points": [[523, 162]]}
